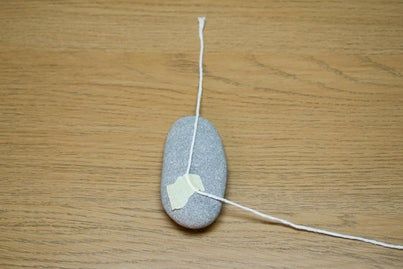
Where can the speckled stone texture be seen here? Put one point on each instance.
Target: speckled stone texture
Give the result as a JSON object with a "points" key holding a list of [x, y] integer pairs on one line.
{"points": [[208, 162]]}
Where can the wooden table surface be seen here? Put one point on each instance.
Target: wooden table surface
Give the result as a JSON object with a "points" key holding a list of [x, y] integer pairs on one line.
{"points": [[307, 97]]}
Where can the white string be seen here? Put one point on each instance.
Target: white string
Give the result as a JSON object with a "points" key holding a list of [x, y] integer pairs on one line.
{"points": [[202, 21], [253, 211]]}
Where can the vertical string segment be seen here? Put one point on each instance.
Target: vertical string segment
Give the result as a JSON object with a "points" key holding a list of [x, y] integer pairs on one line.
{"points": [[202, 21], [264, 216]]}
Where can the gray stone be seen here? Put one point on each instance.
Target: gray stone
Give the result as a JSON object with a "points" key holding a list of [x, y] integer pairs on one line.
{"points": [[208, 162]]}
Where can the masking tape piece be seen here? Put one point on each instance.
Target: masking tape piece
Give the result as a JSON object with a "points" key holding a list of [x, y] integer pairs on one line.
{"points": [[180, 191]]}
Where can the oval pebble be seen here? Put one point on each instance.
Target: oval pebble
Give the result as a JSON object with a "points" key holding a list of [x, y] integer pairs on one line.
{"points": [[208, 162]]}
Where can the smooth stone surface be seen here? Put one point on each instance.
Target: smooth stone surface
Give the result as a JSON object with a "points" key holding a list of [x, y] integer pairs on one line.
{"points": [[208, 162]]}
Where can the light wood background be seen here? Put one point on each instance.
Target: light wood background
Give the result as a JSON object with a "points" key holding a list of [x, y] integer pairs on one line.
{"points": [[307, 96]]}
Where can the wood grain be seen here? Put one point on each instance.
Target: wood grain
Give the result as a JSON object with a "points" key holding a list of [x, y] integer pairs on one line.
{"points": [[307, 96]]}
